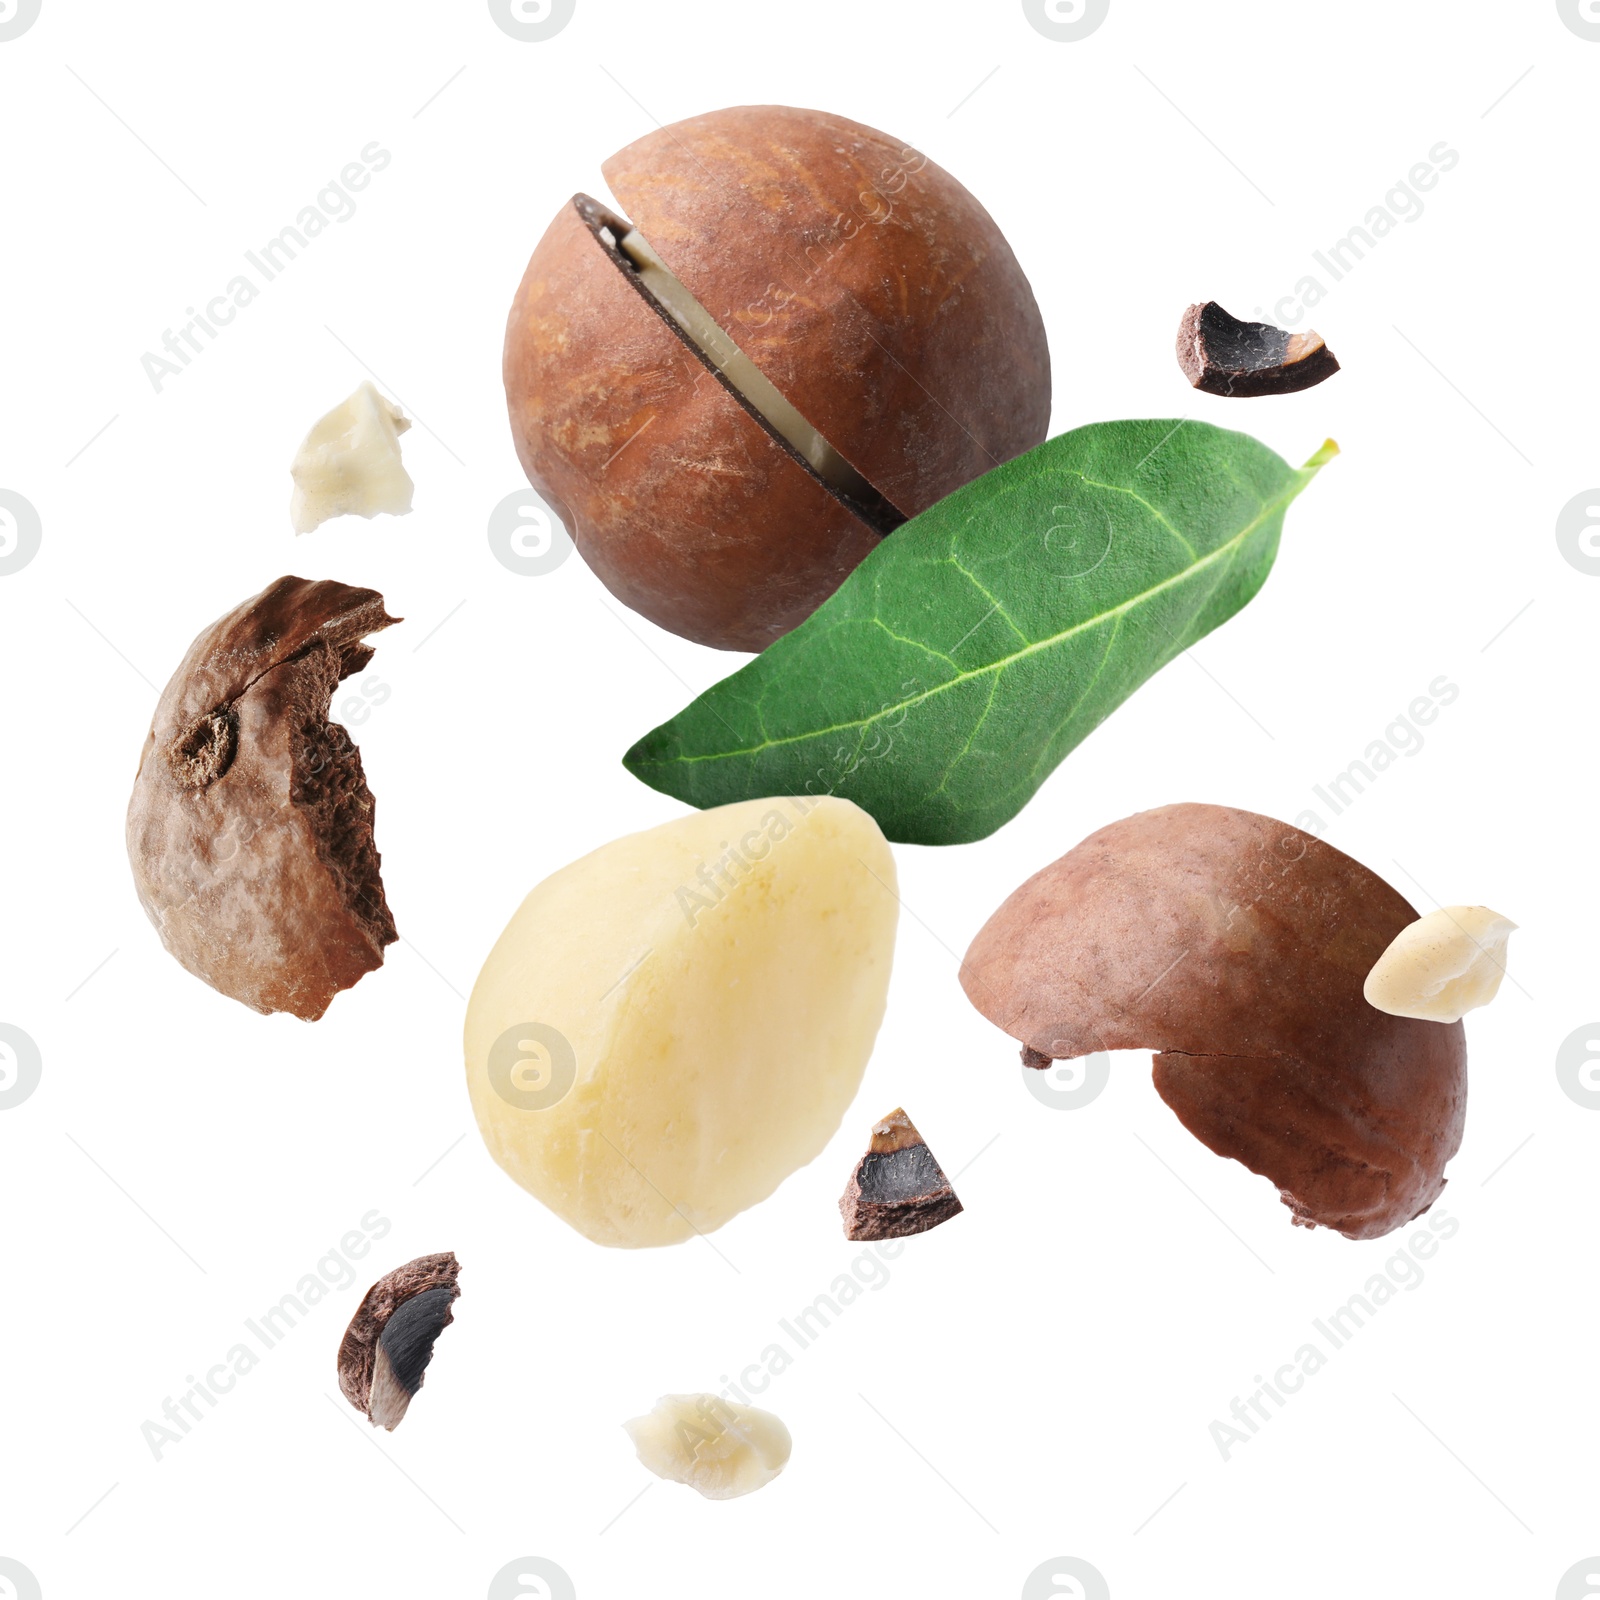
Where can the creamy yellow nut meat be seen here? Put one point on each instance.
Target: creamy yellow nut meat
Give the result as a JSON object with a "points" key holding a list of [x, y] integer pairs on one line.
{"points": [[1443, 965], [349, 464], [717, 1448], [673, 1024]]}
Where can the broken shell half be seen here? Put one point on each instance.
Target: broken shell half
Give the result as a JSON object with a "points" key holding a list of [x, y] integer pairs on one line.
{"points": [[250, 826], [1235, 947]]}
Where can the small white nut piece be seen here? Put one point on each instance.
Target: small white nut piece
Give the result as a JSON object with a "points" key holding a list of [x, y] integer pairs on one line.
{"points": [[719, 1449], [1442, 966], [350, 463]]}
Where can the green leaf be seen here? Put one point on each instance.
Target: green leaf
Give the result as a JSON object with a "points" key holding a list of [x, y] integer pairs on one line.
{"points": [[959, 663]]}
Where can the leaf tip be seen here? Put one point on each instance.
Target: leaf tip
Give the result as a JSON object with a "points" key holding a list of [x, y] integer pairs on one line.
{"points": [[639, 757]]}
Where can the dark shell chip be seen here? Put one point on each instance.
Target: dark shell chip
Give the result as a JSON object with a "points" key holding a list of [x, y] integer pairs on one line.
{"points": [[1221, 355], [897, 1188], [389, 1343]]}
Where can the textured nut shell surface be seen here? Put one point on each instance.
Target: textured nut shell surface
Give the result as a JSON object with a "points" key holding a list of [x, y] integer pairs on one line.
{"points": [[716, 1043], [863, 280], [359, 1348], [242, 886], [684, 505], [1235, 947]]}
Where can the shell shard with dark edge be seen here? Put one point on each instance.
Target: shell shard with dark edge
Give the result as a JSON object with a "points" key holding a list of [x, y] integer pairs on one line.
{"points": [[897, 1187], [389, 1343], [1235, 947], [250, 829], [1221, 355]]}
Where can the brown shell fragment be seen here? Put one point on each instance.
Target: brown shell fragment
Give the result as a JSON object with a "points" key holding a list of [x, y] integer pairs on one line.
{"points": [[1221, 355], [390, 1339], [250, 826], [1235, 947], [897, 1188]]}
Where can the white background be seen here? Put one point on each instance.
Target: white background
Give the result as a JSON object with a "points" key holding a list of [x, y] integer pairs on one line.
{"points": [[1038, 1378]]}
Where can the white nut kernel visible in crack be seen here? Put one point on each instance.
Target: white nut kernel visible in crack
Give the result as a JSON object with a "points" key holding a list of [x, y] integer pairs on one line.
{"points": [[350, 463], [1442, 966], [720, 1449]]}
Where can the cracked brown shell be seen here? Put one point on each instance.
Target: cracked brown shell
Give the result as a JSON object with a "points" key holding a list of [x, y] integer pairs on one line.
{"points": [[250, 826], [864, 281], [434, 1276], [1235, 947]]}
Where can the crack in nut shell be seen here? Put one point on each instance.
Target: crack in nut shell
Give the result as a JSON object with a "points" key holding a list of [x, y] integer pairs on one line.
{"points": [[714, 530], [434, 1276], [720, 359], [249, 829], [1235, 947], [869, 285]]}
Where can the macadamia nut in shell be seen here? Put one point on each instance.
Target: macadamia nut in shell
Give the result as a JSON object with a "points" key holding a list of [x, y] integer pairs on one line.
{"points": [[864, 284], [673, 1024]]}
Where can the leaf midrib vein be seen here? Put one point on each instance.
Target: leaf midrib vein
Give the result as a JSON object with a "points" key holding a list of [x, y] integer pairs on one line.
{"points": [[1005, 661]]}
